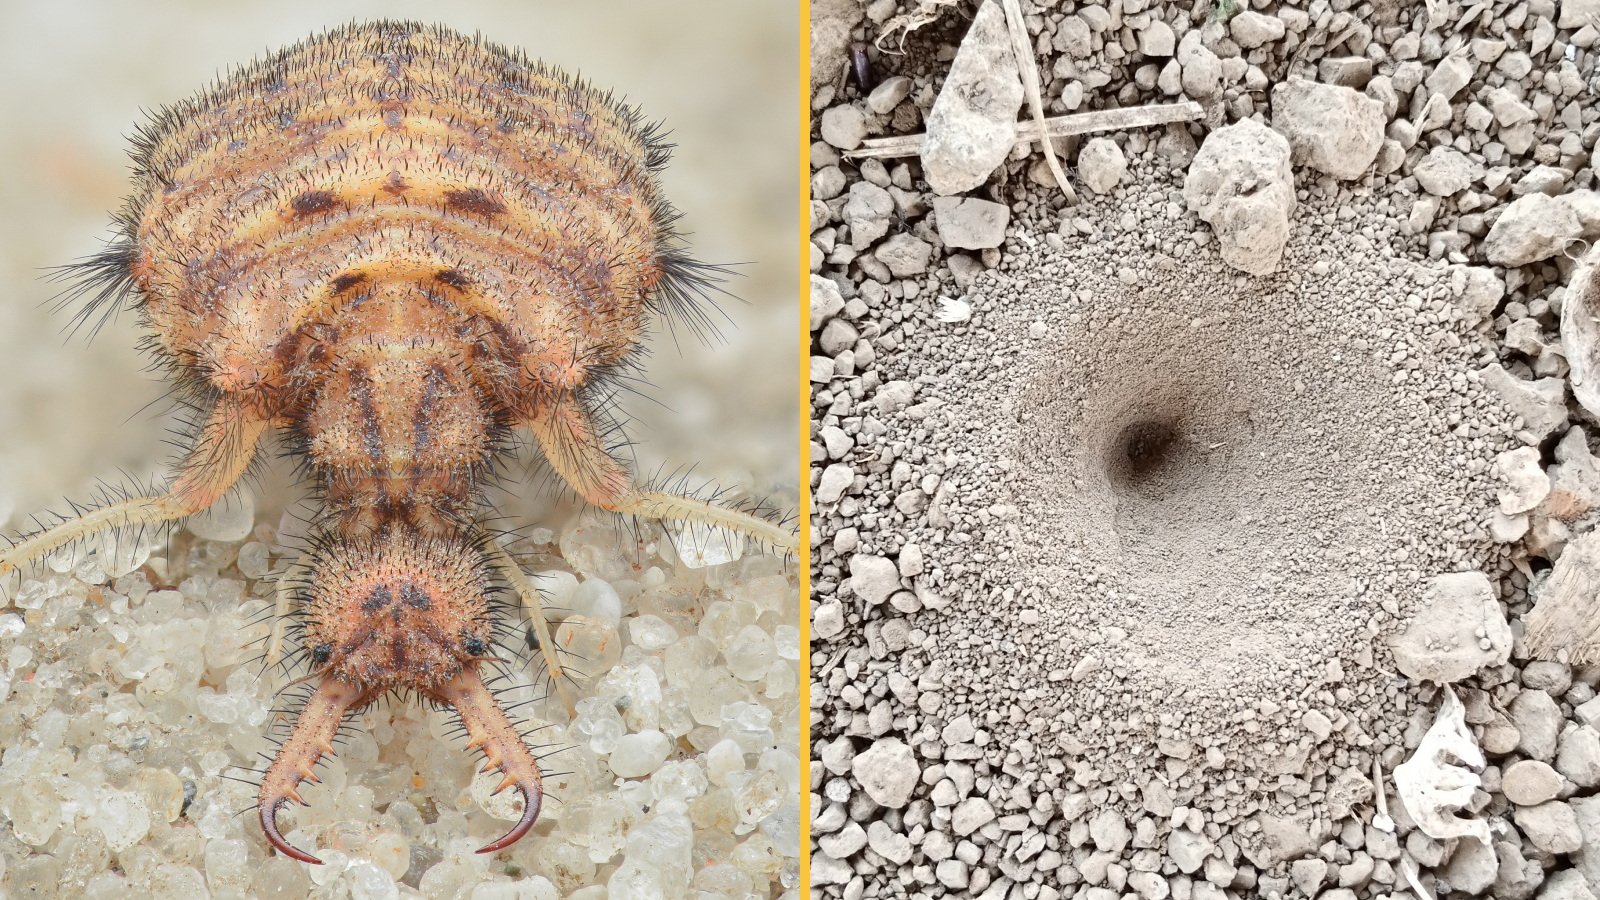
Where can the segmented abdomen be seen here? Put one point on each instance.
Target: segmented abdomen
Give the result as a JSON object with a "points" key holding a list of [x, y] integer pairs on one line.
{"points": [[523, 202]]}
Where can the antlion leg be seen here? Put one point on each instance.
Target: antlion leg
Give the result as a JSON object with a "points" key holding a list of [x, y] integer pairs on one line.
{"points": [[534, 602], [503, 749], [311, 739], [575, 450], [280, 614], [221, 453]]}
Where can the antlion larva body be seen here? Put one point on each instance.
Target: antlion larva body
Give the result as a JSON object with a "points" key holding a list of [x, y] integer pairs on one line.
{"points": [[398, 244]]}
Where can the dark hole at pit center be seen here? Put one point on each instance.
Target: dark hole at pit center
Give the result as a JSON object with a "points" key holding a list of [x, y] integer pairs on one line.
{"points": [[1145, 456]]}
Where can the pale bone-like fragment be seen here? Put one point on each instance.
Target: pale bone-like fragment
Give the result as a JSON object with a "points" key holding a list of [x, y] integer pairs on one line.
{"points": [[1056, 126], [1380, 820], [1439, 779], [952, 311], [1580, 330]]}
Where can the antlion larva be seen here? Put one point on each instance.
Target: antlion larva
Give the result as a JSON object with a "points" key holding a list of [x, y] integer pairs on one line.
{"points": [[398, 245]]}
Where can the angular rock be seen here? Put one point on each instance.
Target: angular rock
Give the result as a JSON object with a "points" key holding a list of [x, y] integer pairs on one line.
{"points": [[1242, 184], [973, 122], [828, 620], [836, 479], [1518, 876], [969, 223], [1445, 171], [1580, 331], [1541, 404], [1578, 756], [1537, 719], [1157, 39], [873, 578], [1441, 644], [1335, 130], [1251, 29], [844, 126], [888, 94], [825, 301], [887, 771], [838, 754], [1479, 293], [891, 845], [1346, 71], [1566, 884], [1525, 485], [1308, 875], [1101, 165], [867, 212], [1284, 839], [1552, 827], [1188, 849], [1472, 867], [1110, 831], [1532, 228], [905, 255], [1201, 70], [845, 842], [893, 397], [1587, 810], [1574, 480], [1452, 73], [970, 815], [827, 870], [831, 24]]}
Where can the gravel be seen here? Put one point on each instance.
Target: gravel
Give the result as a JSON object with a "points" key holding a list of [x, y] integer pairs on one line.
{"points": [[1218, 472]]}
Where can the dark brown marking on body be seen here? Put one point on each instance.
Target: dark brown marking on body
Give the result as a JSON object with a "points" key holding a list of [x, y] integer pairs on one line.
{"points": [[347, 281], [395, 185], [454, 278], [378, 599], [312, 202], [473, 201]]}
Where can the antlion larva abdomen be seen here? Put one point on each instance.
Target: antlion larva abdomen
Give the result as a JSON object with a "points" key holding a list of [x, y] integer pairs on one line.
{"points": [[524, 202]]}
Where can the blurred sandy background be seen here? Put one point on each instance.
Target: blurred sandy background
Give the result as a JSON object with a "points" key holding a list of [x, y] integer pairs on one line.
{"points": [[725, 75]]}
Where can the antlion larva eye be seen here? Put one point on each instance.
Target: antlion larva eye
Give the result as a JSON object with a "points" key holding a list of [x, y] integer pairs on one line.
{"points": [[396, 245]]}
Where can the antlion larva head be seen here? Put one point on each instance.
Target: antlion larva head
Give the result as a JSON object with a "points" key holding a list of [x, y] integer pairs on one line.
{"points": [[397, 243]]}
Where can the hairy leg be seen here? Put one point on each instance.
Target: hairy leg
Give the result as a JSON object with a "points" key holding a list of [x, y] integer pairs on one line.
{"points": [[574, 448], [221, 453], [533, 601], [280, 615]]}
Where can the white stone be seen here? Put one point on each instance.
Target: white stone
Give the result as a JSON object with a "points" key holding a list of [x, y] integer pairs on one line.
{"points": [[1525, 483], [1101, 165], [887, 771], [1335, 130], [972, 125], [1241, 183], [873, 578], [969, 223], [844, 126], [1251, 29], [1442, 642], [828, 620], [970, 815], [1445, 171], [639, 754], [1534, 227]]}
